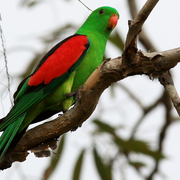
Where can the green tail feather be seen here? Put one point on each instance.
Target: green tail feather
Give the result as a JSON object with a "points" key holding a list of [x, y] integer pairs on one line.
{"points": [[8, 135]]}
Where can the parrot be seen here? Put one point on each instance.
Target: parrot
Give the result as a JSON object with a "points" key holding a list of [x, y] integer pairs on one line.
{"points": [[64, 69]]}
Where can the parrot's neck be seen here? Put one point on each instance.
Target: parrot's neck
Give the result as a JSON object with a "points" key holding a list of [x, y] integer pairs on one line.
{"points": [[95, 36]]}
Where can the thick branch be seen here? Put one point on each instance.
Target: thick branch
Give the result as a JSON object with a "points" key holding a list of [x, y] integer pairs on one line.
{"points": [[133, 62], [152, 64]]}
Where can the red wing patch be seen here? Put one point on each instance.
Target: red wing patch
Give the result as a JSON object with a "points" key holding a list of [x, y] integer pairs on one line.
{"points": [[60, 61]]}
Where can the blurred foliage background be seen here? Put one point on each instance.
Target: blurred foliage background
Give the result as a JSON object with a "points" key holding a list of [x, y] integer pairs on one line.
{"points": [[119, 138]]}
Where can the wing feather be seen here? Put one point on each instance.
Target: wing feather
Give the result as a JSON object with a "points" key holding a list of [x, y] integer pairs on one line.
{"points": [[35, 88], [60, 61]]}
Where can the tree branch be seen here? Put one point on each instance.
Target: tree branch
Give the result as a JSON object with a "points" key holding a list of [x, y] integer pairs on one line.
{"points": [[136, 25], [143, 38], [163, 132], [110, 71], [130, 51], [132, 62], [167, 81]]}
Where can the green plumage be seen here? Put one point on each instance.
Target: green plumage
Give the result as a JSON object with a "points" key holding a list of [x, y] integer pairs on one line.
{"points": [[35, 103]]}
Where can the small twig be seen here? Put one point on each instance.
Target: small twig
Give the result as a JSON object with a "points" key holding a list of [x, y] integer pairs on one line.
{"points": [[143, 37], [167, 81], [146, 111], [132, 96], [5, 60], [162, 134], [137, 23], [134, 29], [85, 5]]}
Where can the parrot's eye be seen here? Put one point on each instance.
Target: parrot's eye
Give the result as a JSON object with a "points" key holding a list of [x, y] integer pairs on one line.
{"points": [[101, 11]]}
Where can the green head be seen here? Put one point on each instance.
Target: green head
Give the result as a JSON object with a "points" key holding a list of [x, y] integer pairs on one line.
{"points": [[102, 20]]}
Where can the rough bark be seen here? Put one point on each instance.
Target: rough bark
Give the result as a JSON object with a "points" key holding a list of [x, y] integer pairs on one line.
{"points": [[132, 62]]}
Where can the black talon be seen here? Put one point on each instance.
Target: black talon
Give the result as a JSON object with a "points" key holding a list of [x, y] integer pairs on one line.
{"points": [[71, 94], [75, 95]]}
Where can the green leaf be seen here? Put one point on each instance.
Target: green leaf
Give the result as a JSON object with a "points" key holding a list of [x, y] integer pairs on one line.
{"points": [[30, 3], [137, 146], [78, 166], [104, 127], [55, 159], [104, 170], [137, 164]]}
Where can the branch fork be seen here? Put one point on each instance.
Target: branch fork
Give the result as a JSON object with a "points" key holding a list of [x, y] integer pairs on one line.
{"points": [[132, 62]]}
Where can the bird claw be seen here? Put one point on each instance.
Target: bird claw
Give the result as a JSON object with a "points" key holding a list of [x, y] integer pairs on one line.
{"points": [[71, 94], [75, 95]]}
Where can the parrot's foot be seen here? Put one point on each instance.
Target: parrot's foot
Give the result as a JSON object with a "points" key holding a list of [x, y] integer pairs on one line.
{"points": [[75, 95], [71, 94]]}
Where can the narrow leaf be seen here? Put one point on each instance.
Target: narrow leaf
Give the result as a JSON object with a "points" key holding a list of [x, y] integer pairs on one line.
{"points": [[137, 164], [55, 159], [103, 169], [78, 166], [137, 146], [104, 127]]}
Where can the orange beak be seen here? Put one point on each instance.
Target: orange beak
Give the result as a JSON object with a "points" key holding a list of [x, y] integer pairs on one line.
{"points": [[113, 21]]}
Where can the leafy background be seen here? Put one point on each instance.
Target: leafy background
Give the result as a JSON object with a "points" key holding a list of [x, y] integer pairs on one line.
{"points": [[133, 134]]}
